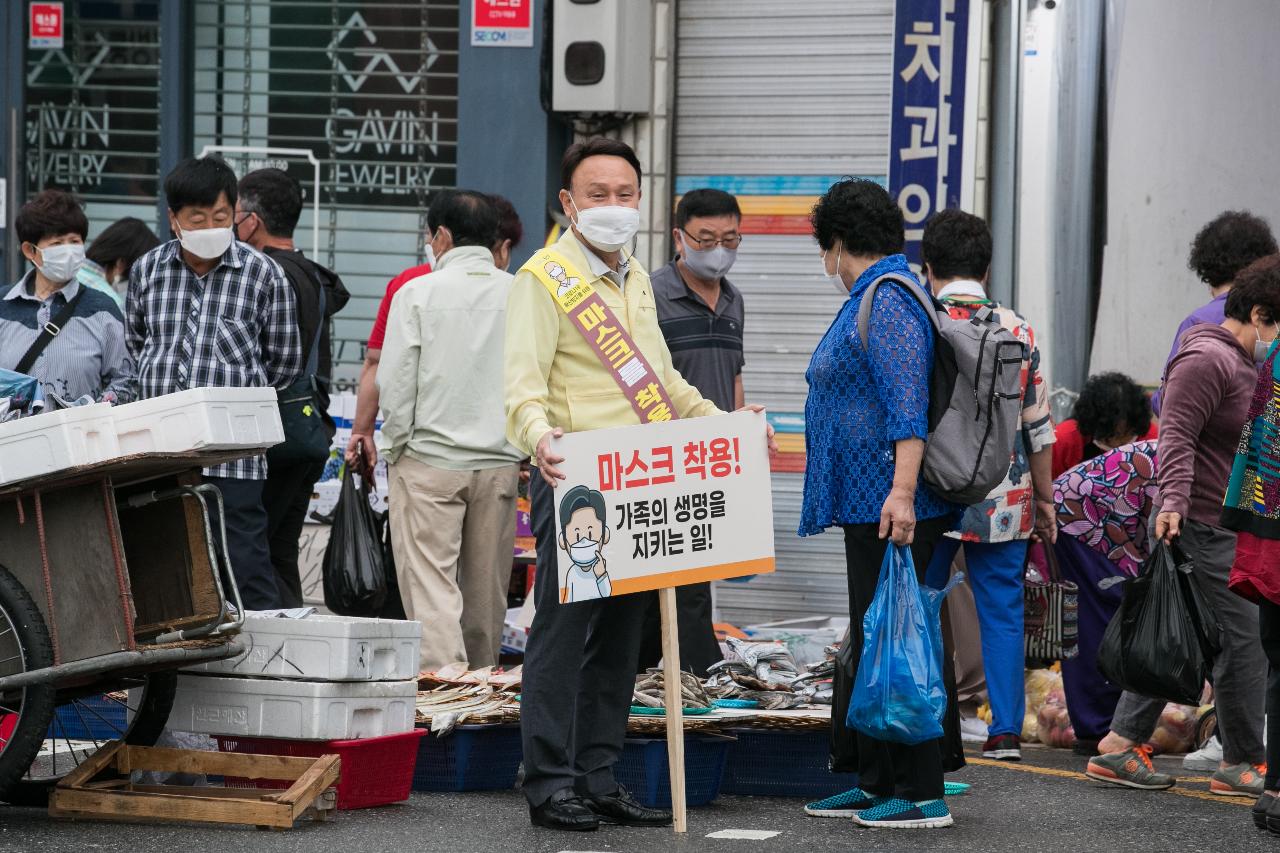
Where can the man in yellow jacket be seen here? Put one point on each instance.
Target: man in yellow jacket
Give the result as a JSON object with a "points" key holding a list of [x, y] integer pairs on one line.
{"points": [[580, 662]]}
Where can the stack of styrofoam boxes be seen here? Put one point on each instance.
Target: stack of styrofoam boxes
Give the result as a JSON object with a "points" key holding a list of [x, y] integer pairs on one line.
{"points": [[43, 444], [198, 419], [319, 679]]}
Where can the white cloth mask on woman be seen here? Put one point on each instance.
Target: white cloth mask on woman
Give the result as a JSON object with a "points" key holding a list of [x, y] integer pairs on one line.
{"points": [[60, 263], [836, 281]]}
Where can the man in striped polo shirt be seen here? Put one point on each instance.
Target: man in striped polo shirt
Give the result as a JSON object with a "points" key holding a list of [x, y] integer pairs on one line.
{"points": [[701, 316]]}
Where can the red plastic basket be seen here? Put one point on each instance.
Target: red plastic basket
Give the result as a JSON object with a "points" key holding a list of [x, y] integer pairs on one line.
{"points": [[376, 771]]}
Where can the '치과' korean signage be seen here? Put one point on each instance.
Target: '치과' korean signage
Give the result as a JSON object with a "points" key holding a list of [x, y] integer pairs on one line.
{"points": [[660, 505], [926, 127]]}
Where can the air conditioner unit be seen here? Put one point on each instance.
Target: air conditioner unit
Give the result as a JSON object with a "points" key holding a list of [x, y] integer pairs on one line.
{"points": [[602, 56]]}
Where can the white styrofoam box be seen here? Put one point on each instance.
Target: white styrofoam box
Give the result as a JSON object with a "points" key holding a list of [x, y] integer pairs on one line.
{"points": [[297, 710], [200, 419], [41, 444], [515, 636], [325, 648]]}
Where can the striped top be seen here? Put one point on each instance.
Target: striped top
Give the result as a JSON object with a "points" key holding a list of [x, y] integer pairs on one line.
{"points": [[705, 344], [88, 356]]}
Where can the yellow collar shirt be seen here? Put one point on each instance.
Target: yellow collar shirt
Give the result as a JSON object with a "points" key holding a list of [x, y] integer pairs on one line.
{"points": [[554, 378], [440, 375]]}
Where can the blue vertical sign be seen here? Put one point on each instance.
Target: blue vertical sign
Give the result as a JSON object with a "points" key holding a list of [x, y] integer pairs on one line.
{"points": [[926, 128]]}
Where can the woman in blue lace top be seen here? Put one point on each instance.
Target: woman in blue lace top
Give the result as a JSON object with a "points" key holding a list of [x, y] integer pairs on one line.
{"points": [[866, 420]]}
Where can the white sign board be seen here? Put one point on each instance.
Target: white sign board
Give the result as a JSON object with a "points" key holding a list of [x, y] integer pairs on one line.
{"points": [[662, 505]]}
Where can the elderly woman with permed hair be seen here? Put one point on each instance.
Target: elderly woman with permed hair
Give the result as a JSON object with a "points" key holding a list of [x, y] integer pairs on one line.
{"points": [[866, 420]]}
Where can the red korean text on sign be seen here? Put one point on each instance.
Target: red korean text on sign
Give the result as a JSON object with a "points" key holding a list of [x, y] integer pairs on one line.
{"points": [[718, 457], [502, 13], [46, 20], [617, 471]]}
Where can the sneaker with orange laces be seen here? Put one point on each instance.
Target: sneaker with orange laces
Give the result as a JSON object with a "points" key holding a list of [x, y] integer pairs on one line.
{"points": [[1131, 768], [1239, 780]]}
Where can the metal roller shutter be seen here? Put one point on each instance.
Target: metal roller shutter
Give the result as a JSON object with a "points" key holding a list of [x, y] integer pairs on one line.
{"points": [[92, 116], [774, 102], [371, 89]]}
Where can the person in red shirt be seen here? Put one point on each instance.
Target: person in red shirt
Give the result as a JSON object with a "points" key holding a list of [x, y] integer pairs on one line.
{"points": [[1112, 410], [510, 232]]}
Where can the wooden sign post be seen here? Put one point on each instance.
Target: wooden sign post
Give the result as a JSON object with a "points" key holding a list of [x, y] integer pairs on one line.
{"points": [[658, 506], [674, 703]]}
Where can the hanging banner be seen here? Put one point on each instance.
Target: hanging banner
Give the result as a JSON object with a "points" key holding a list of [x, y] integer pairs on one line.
{"points": [[664, 504], [926, 127], [502, 23]]}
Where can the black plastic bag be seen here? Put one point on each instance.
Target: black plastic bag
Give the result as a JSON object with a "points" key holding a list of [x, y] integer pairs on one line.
{"points": [[1162, 641], [355, 579], [393, 608]]}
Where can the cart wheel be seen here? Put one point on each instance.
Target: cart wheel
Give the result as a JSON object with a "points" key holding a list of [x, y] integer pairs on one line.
{"points": [[24, 713], [81, 727]]}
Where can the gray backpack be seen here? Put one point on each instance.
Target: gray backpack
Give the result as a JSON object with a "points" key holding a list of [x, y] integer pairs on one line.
{"points": [[975, 397]]}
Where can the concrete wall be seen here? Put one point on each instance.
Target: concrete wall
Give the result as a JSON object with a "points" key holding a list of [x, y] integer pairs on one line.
{"points": [[1193, 124], [652, 138], [509, 145]]}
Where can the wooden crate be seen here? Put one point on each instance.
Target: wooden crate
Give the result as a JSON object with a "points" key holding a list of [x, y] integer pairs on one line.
{"points": [[100, 788]]}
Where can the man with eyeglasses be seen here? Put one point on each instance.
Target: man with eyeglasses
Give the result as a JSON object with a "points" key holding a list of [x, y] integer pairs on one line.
{"points": [[701, 317]]}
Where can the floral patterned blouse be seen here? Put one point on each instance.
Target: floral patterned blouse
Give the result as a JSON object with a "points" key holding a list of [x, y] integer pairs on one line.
{"points": [[1104, 503]]}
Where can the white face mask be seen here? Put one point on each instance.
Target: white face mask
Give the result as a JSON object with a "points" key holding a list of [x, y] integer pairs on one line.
{"points": [[608, 228], [429, 255], [59, 264], [584, 552], [836, 281], [207, 243], [707, 264], [1260, 347]]}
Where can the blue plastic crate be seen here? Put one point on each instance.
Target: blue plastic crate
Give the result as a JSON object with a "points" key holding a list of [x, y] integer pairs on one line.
{"points": [[471, 758], [644, 769], [769, 763], [90, 718]]}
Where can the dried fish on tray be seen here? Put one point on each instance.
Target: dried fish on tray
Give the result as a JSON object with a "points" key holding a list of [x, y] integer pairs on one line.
{"points": [[650, 691], [446, 707], [457, 674]]}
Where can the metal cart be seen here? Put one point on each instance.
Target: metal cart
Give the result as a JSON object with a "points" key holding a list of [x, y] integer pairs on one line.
{"points": [[110, 583]]}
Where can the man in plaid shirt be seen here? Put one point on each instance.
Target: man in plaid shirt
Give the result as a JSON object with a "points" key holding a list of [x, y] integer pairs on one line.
{"points": [[204, 310]]}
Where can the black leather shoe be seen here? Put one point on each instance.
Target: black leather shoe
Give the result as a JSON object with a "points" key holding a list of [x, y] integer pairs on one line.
{"points": [[1273, 815], [565, 811], [621, 808], [1260, 810]]}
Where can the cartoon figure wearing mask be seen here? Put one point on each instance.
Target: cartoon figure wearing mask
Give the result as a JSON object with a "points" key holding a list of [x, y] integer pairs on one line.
{"points": [[584, 531], [557, 272]]}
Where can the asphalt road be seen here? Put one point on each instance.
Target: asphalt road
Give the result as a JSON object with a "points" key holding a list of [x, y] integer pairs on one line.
{"points": [[1042, 804]]}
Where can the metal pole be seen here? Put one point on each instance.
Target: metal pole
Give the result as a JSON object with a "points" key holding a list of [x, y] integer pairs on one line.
{"points": [[1006, 112], [13, 109], [176, 82]]}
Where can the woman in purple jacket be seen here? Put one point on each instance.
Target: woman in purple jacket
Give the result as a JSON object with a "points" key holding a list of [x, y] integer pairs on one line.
{"points": [[1207, 390]]}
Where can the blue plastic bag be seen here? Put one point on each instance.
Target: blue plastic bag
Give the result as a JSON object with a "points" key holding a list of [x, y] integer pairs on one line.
{"points": [[898, 691]]}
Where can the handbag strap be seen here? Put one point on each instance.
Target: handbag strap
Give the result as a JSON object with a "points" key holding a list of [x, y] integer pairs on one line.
{"points": [[1051, 560], [49, 332]]}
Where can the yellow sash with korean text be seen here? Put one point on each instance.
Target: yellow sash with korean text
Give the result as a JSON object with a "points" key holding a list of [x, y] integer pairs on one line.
{"points": [[606, 336]]}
